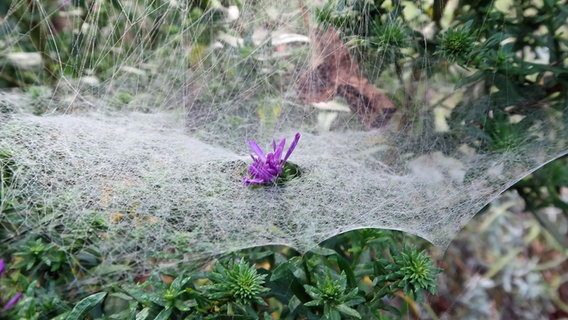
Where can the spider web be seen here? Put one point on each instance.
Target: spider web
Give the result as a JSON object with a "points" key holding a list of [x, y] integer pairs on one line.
{"points": [[143, 139]]}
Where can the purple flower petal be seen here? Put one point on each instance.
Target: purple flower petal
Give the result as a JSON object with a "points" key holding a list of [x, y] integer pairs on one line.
{"points": [[2, 266], [292, 147], [248, 181], [259, 172], [257, 150], [13, 301], [278, 150]]}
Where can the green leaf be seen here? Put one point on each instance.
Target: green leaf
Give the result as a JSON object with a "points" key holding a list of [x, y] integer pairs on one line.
{"points": [[143, 296], [84, 306], [59, 317], [142, 315], [164, 314], [106, 269], [313, 303], [280, 271], [322, 251], [495, 39], [121, 295], [294, 303], [467, 80], [312, 291], [354, 298], [348, 311], [185, 305], [332, 314], [345, 267], [179, 282], [254, 256]]}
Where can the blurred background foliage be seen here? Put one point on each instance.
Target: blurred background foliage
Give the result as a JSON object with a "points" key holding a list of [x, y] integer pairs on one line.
{"points": [[509, 57], [82, 37]]}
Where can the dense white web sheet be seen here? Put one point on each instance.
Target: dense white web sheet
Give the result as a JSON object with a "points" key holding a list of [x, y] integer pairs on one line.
{"points": [[156, 186]]}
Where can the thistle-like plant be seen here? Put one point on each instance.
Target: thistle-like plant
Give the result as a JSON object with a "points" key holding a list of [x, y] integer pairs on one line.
{"points": [[331, 294], [40, 255], [391, 36], [413, 272], [163, 300], [237, 285], [457, 44]]}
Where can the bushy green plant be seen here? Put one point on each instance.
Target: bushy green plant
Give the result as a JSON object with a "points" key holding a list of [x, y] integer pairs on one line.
{"points": [[237, 286], [255, 283], [331, 294], [159, 300], [455, 44]]}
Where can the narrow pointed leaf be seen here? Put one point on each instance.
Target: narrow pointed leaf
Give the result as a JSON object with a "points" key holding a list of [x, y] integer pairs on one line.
{"points": [[164, 314], [85, 306], [348, 311]]}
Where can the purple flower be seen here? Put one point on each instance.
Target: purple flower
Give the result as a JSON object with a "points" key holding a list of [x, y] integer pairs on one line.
{"points": [[267, 167], [14, 299]]}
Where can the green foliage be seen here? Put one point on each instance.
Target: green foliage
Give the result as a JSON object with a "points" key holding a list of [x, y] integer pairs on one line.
{"points": [[40, 256], [330, 294], [456, 44], [157, 299], [354, 17], [237, 286], [500, 58], [361, 279], [40, 301], [357, 279], [391, 37], [497, 50], [411, 271], [499, 134], [322, 284], [82, 308], [380, 34]]}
